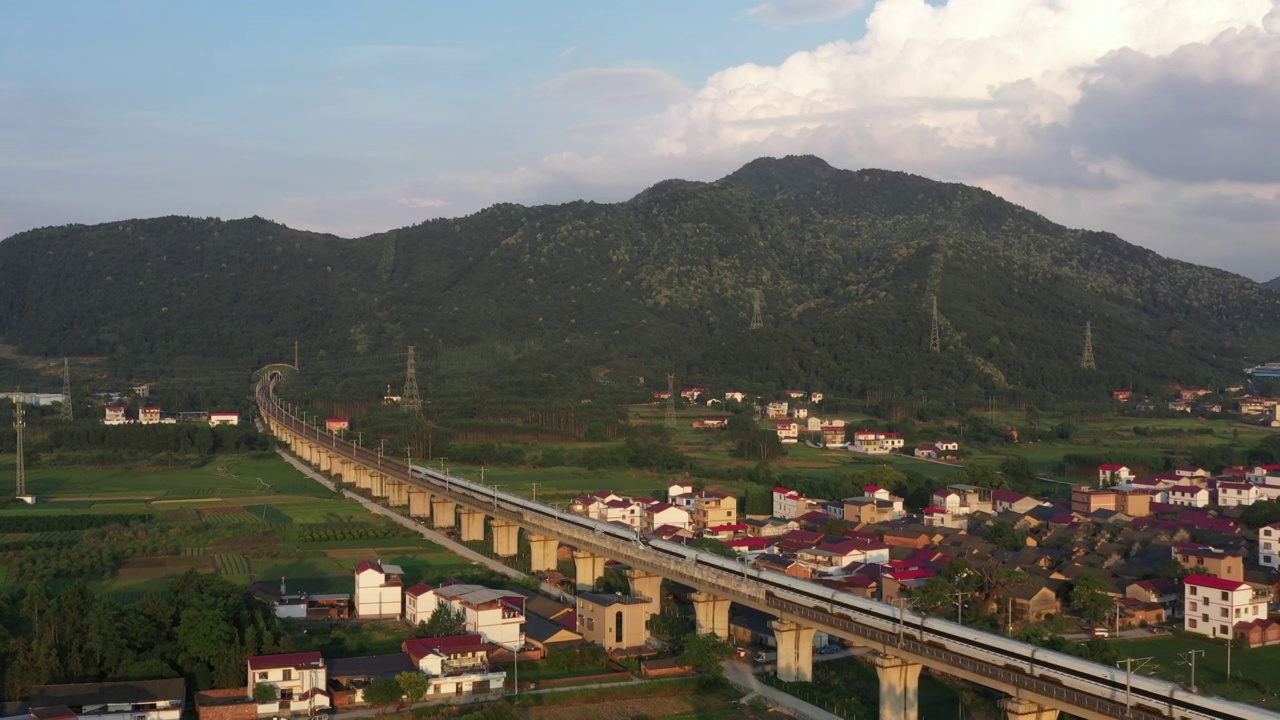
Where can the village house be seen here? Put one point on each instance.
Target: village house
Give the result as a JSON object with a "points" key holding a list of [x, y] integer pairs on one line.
{"points": [[1206, 560], [1191, 471], [1269, 546], [1010, 501], [1111, 474], [420, 603], [940, 517], [662, 395], [337, 425], [115, 416], [299, 679], [149, 415], [614, 622], [874, 506], [1163, 591], [815, 397], [788, 431], [710, 423], [961, 499], [1137, 613], [788, 503], [378, 590], [675, 490], [928, 452], [1237, 494], [789, 566], [875, 442], [1123, 396], [1033, 601], [769, 527], [455, 665], [735, 395], [1212, 606], [1257, 633], [691, 394], [496, 614], [711, 509], [1189, 496], [1086, 500], [658, 514], [797, 394], [1256, 406], [777, 410], [833, 434], [131, 700], [223, 418]]}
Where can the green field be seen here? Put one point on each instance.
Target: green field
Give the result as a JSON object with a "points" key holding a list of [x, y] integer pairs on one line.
{"points": [[1254, 672]]}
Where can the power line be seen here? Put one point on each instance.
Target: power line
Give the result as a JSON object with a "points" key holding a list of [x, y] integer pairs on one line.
{"points": [[410, 400], [935, 338], [1086, 360]]}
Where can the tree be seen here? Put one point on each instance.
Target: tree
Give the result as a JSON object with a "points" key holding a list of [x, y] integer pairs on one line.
{"points": [[1261, 514], [264, 693], [444, 621], [382, 692], [204, 633], [1005, 536], [413, 685], [1017, 471], [705, 653], [835, 526], [1089, 598]]}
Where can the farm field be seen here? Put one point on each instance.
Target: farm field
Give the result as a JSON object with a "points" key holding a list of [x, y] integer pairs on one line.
{"points": [[248, 519], [1253, 671]]}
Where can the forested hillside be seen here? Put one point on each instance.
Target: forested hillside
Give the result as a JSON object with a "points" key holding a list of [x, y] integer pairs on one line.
{"points": [[533, 298], [1272, 284]]}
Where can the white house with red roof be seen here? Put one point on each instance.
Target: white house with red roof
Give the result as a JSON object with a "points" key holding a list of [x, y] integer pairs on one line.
{"points": [[876, 442], [1190, 471], [622, 511], [815, 397], [674, 490], [788, 431], [1269, 546], [691, 394], [735, 395], [777, 410], [149, 415], [455, 664], [1189, 496], [498, 615], [1113, 474], [115, 416], [337, 425], [660, 513], [300, 680], [1212, 606], [1236, 494], [420, 602], [379, 590], [223, 418], [787, 503]]}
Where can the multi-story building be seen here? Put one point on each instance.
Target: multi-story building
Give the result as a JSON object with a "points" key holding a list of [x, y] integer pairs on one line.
{"points": [[1086, 500], [961, 499], [788, 431], [115, 415], [833, 435], [454, 665], [1213, 606], [1269, 546], [711, 509], [1189, 496], [379, 590], [496, 614], [875, 505], [1208, 560], [658, 514], [777, 410], [787, 503], [299, 680], [1112, 474], [1234, 494], [615, 622], [149, 415], [132, 700], [420, 603], [876, 442]]}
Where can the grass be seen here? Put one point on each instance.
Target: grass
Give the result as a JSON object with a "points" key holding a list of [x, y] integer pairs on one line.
{"points": [[1253, 671]]}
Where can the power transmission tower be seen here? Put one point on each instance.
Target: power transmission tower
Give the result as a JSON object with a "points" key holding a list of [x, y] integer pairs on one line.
{"points": [[671, 400], [410, 401], [757, 319], [66, 390], [1086, 360], [19, 424], [935, 338], [295, 355]]}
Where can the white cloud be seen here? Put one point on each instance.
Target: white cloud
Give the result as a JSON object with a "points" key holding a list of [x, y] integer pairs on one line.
{"points": [[783, 13], [1095, 112]]}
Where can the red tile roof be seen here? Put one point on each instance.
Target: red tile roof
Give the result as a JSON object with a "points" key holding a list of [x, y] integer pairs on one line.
{"points": [[288, 660], [367, 565], [1213, 582], [419, 589]]}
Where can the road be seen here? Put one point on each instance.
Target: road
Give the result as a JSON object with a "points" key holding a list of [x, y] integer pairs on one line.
{"points": [[435, 537], [740, 675]]}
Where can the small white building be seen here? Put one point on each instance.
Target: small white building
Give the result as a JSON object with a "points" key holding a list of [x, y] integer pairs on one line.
{"points": [[787, 503], [379, 590], [496, 614], [876, 442], [149, 415], [455, 665], [115, 416], [1189, 496], [420, 603], [1232, 494], [224, 418], [788, 431], [1212, 606], [1269, 546], [1112, 474], [658, 514], [299, 679], [675, 490]]}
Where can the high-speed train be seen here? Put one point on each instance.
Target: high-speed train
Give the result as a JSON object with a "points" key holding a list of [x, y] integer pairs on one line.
{"points": [[1149, 695]]}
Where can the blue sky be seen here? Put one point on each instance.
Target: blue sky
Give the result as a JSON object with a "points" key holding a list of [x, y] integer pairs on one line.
{"points": [[359, 117]]}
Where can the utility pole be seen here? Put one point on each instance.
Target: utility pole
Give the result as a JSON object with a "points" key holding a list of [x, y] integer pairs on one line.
{"points": [[295, 355], [1189, 658], [960, 595], [66, 389], [410, 401], [535, 490], [935, 338], [671, 400], [757, 319], [382, 446], [1086, 360], [1128, 679], [19, 424]]}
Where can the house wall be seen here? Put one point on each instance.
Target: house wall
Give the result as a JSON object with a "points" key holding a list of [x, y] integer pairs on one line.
{"points": [[490, 623], [1214, 612], [1269, 547], [599, 624]]}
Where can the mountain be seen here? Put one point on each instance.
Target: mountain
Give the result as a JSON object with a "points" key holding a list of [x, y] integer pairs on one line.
{"points": [[1272, 284], [847, 264]]}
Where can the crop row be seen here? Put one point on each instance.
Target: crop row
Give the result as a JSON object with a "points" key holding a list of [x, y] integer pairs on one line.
{"points": [[231, 564]]}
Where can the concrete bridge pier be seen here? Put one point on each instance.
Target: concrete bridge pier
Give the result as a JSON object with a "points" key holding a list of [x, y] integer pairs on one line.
{"points": [[472, 525], [326, 460], [419, 503], [397, 493], [359, 476], [377, 484], [899, 687], [711, 614], [589, 568], [543, 553], [443, 511], [795, 650], [1018, 709], [342, 469], [506, 537], [647, 585]]}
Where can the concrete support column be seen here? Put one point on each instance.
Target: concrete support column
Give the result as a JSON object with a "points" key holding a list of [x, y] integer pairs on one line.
{"points": [[326, 460], [472, 525], [795, 650], [377, 484], [543, 553], [419, 503], [589, 567], [442, 512], [711, 614], [359, 476], [899, 687], [506, 537], [1017, 709], [342, 469], [397, 493], [646, 585], [307, 453]]}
